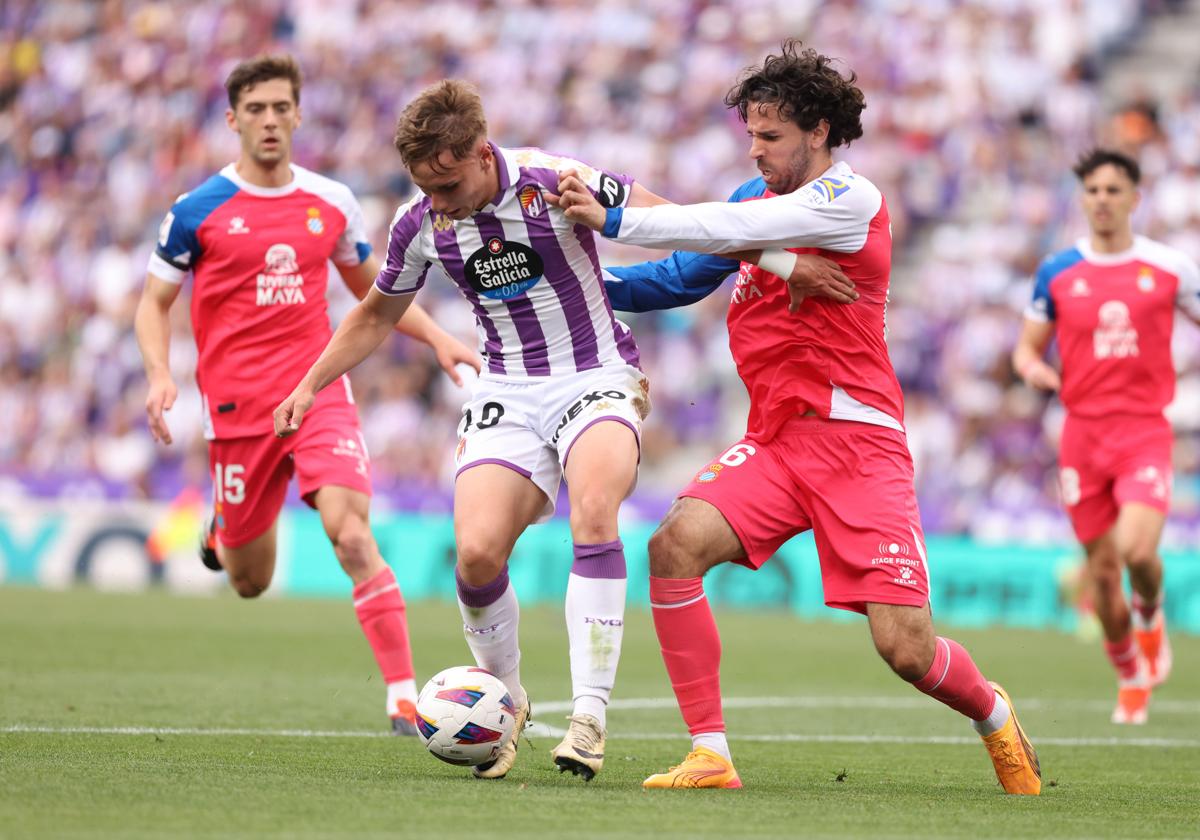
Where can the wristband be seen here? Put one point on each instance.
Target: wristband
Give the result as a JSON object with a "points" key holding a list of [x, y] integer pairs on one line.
{"points": [[612, 223], [778, 262]]}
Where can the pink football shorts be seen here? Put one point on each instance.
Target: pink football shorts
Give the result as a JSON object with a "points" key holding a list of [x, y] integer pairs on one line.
{"points": [[250, 475], [1110, 461], [851, 483]]}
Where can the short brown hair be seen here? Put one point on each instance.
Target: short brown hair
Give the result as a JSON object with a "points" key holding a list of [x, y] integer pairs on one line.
{"points": [[262, 69], [806, 89], [447, 115], [1093, 159]]}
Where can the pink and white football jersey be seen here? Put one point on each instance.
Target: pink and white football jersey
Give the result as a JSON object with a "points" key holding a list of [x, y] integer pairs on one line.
{"points": [[259, 259], [1113, 316]]}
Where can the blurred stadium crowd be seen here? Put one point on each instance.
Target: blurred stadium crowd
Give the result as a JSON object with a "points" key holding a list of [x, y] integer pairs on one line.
{"points": [[109, 110]]}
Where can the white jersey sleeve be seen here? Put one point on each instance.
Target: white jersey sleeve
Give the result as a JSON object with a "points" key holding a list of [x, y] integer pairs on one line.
{"points": [[1187, 298], [352, 247], [833, 212], [406, 266]]}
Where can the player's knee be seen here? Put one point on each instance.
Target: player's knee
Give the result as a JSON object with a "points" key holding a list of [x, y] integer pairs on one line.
{"points": [[1104, 565], [671, 554], [594, 517], [910, 661], [249, 585], [1107, 577], [1139, 557], [354, 546], [480, 559]]}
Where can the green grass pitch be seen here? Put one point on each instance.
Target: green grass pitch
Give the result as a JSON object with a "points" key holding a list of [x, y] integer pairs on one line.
{"points": [[152, 715]]}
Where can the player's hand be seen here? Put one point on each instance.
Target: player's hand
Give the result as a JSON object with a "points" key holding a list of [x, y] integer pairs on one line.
{"points": [[577, 202], [817, 276], [450, 353], [1038, 374], [160, 398], [292, 410]]}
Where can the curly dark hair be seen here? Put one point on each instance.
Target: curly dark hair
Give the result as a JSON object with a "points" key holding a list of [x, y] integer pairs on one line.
{"points": [[1093, 159], [804, 86]]}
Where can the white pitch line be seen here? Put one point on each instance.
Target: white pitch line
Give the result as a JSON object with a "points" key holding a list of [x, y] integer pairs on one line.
{"points": [[910, 701], [538, 730], [183, 730]]}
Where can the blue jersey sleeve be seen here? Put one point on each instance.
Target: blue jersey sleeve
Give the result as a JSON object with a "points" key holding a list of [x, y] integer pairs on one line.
{"points": [[677, 280], [1041, 307], [178, 248]]}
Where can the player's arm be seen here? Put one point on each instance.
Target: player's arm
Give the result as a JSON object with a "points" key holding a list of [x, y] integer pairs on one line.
{"points": [[685, 277], [811, 217], [1187, 299], [1028, 357], [678, 280], [362, 330], [152, 326], [416, 323], [752, 231]]}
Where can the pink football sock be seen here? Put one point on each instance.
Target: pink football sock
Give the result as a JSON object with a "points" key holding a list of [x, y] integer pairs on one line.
{"points": [[1124, 657], [691, 650], [380, 609], [954, 680]]}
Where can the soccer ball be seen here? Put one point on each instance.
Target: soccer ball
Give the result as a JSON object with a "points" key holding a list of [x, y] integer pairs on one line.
{"points": [[465, 715]]}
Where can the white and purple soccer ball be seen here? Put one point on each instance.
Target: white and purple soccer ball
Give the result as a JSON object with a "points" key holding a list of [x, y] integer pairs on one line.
{"points": [[465, 715]]}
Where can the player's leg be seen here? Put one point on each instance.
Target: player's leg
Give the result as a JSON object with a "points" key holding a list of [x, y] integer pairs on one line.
{"points": [[493, 505], [1120, 644], [741, 508], [1136, 536], [1138, 531], [942, 668], [1143, 493], [378, 601], [333, 471], [250, 477], [600, 470], [1089, 477], [507, 478], [693, 537], [857, 481], [251, 565]]}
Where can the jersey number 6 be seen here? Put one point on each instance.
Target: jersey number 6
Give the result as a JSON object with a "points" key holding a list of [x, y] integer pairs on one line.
{"points": [[737, 454]]}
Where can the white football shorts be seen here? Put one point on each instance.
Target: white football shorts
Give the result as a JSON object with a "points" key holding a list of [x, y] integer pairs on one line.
{"points": [[529, 425]]}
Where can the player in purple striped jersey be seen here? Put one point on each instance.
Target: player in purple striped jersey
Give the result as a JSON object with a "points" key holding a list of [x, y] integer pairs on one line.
{"points": [[561, 394]]}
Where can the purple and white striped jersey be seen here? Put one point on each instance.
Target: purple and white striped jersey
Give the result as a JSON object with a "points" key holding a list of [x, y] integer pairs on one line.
{"points": [[532, 276]]}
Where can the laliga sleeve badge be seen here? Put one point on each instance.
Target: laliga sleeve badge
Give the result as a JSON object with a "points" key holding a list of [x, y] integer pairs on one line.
{"points": [[610, 191]]}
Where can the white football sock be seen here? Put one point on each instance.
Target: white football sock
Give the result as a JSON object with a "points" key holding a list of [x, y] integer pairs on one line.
{"points": [[400, 690], [491, 634], [714, 741], [595, 611], [994, 721]]}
